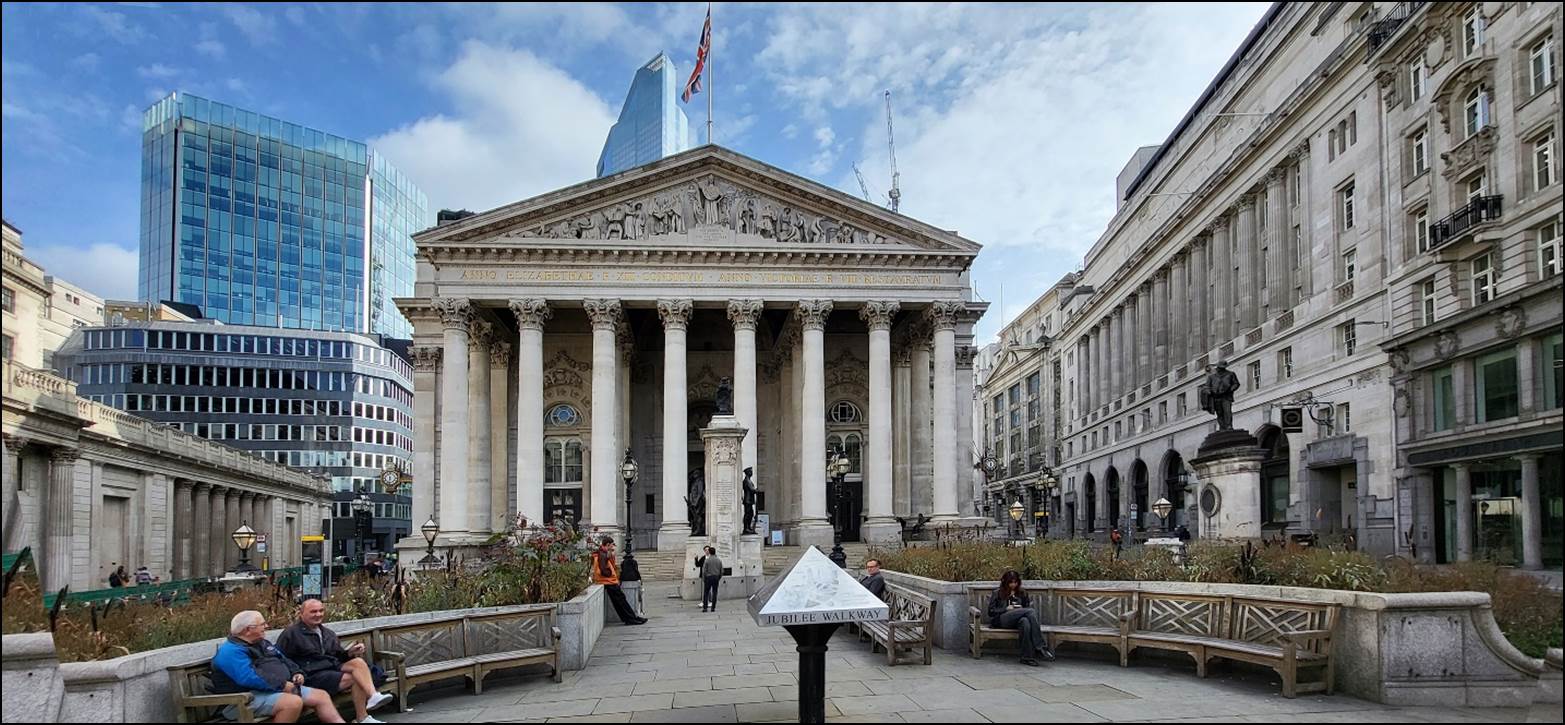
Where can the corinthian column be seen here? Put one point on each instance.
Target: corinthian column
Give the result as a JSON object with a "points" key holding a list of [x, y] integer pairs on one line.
{"points": [[183, 510], [478, 446], [200, 527], [814, 529], [498, 414], [1249, 294], [943, 317], [605, 315], [1200, 316], [676, 526], [426, 385], [744, 314], [1222, 303], [1278, 232], [881, 526], [1178, 313], [456, 314], [531, 315], [57, 522]]}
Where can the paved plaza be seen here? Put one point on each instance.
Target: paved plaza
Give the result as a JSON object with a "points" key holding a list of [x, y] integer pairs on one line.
{"points": [[685, 666]]}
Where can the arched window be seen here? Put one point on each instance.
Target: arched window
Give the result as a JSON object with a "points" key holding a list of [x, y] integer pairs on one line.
{"points": [[563, 416], [1275, 478], [843, 411], [1476, 111], [562, 460], [850, 445]]}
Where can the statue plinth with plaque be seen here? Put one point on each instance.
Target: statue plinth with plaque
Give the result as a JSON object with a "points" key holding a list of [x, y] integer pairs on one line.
{"points": [[724, 523], [1228, 464], [811, 599]]}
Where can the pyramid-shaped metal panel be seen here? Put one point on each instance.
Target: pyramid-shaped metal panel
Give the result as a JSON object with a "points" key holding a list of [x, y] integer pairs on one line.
{"points": [[814, 590]]}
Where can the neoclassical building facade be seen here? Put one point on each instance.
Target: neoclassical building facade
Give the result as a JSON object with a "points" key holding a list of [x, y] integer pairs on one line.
{"points": [[556, 333]]}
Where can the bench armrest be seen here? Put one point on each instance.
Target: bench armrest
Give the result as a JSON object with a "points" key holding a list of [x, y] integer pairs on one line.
{"points": [[390, 655], [974, 612], [1127, 622], [1300, 638], [240, 700], [555, 631]]}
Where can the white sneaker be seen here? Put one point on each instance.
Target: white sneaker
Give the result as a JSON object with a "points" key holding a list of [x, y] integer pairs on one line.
{"points": [[371, 719], [376, 700]]}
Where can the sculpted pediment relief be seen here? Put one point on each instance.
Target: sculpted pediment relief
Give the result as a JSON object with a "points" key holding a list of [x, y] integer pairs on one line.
{"points": [[707, 208]]}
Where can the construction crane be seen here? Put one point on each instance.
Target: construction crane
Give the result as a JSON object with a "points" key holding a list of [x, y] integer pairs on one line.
{"points": [[862, 186], [895, 195]]}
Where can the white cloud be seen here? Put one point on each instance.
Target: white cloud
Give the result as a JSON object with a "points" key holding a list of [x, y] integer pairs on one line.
{"points": [[517, 127], [157, 70], [790, 131], [824, 136], [295, 15], [212, 49], [110, 23], [106, 270], [258, 27], [130, 117], [236, 85], [86, 61]]}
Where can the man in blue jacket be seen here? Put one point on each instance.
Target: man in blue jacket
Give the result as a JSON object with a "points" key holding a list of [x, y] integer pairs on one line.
{"points": [[247, 662]]}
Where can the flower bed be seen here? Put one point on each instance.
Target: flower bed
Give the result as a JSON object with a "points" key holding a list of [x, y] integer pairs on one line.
{"points": [[1527, 611], [522, 566]]}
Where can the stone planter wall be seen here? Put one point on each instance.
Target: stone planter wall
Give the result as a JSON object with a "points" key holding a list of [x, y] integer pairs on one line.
{"points": [[135, 688], [1427, 649]]}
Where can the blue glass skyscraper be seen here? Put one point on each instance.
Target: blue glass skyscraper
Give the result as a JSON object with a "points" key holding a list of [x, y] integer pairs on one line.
{"points": [[259, 221], [651, 125]]}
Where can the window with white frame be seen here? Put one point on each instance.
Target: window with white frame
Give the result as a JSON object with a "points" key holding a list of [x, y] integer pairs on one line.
{"points": [[1298, 247], [1254, 369], [1426, 293], [1541, 63], [1483, 278], [1296, 185], [1349, 265], [1345, 197], [1420, 151], [1543, 161], [562, 460], [1345, 418], [1420, 228], [1476, 111], [1347, 337], [1477, 186], [1472, 30], [1417, 79], [1285, 363], [844, 412], [1549, 249]]}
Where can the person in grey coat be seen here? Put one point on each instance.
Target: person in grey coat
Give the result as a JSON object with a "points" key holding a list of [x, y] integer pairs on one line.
{"points": [[711, 573]]}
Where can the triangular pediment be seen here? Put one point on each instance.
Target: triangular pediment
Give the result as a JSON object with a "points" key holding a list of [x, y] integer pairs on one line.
{"points": [[706, 197], [1013, 356]]}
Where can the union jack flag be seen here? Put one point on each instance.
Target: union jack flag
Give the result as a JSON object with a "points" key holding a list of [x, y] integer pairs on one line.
{"points": [[693, 86]]}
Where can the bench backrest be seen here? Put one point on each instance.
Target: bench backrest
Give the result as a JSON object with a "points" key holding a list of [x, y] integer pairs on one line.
{"points": [[494, 633], [909, 606], [424, 643], [1089, 607], [1182, 614], [1266, 621], [192, 680]]}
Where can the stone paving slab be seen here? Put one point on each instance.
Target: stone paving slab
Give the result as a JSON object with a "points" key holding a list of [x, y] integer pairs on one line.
{"points": [[684, 666]]}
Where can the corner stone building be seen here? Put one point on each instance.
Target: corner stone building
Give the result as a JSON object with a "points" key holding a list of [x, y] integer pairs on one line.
{"points": [[554, 334]]}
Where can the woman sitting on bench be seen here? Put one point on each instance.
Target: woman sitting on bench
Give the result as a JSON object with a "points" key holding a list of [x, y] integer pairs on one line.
{"points": [[1011, 608]]}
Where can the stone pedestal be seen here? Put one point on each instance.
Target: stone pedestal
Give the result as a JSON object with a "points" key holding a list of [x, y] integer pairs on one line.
{"points": [[1229, 497], [462, 546], [878, 532], [740, 554]]}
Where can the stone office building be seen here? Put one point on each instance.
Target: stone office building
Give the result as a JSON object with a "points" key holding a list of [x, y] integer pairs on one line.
{"points": [[553, 334], [1352, 166]]}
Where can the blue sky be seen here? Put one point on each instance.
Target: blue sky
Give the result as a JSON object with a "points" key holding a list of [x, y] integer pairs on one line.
{"points": [[1011, 120]]}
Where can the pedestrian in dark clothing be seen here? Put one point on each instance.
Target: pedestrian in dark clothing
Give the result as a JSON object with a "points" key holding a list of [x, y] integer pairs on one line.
{"points": [[606, 572], [711, 574], [246, 662], [119, 578], [873, 581], [1183, 533], [326, 664], [1011, 608], [1118, 540]]}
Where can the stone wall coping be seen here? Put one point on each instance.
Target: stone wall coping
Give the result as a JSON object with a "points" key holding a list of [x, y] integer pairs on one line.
{"points": [[22, 651], [579, 602]]}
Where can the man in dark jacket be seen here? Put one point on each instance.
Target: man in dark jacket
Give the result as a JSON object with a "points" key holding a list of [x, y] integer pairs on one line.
{"points": [[711, 569], [246, 662], [326, 664], [873, 581]]}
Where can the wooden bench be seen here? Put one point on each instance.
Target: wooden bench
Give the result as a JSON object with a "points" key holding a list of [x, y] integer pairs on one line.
{"points": [[910, 626], [1286, 636], [1069, 615], [191, 682], [472, 647]]}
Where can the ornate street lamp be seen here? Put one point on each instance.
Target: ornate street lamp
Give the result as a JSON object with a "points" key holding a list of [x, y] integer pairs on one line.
{"points": [[244, 538], [629, 569], [1163, 507], [430, 530], [1017, 509], [837, 467]]}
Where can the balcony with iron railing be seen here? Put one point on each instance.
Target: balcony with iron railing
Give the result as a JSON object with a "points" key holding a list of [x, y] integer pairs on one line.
{"points": [[1382, 30], [1465, 221]]}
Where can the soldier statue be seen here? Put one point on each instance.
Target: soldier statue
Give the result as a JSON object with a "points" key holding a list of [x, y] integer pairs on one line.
{"points": [[749, 501], [695, 503], [1217, 395]]}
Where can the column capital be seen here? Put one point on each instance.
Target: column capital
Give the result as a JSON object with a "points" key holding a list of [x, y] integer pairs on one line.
{"points": [[1245, 203], [180, 483], [1219, 225], [455, 312], [745, 313], [426, 358], [879, 314], [965, 355], [675, 314], [942, 315], [813, 313], [246, 494], [500, 355], [1460, 467], [902, 357], [13, 442], [201, 486], [1526, 457], [481, 334], [1276, 176], [64, 455], [1300, 153], [531, 313], [604, 313]]}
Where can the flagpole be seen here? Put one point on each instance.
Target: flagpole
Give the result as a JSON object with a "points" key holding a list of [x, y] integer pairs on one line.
{"points": [[709, 88]]}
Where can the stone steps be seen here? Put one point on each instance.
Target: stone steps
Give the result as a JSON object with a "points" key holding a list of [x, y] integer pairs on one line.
{"points": [[669, 565]]}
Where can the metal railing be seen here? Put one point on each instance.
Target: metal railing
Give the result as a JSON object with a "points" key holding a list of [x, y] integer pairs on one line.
{"points": [[1381, 30], [1460, 222]]}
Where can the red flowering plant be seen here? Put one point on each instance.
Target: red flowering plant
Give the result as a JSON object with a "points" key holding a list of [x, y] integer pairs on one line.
{"points": [[535, 562]]}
